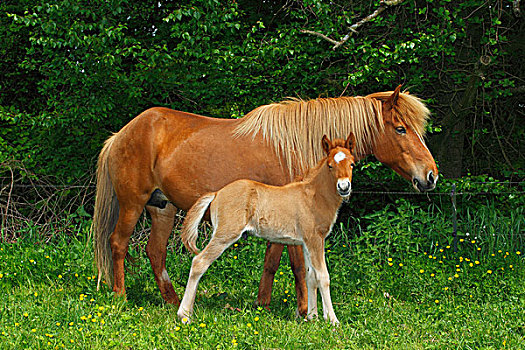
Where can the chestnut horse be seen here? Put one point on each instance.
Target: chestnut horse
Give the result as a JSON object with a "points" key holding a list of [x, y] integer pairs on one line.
{"points": [[300, 212], [186, 155]]}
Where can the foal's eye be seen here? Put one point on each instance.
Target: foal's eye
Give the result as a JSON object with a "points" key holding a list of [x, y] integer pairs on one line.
{"points": [[401, 130]]}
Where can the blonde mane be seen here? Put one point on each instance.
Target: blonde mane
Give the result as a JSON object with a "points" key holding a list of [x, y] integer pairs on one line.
{"points": [[295, 127]]}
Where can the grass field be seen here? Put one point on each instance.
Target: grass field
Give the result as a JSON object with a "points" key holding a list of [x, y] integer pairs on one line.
{"points": [[396, 283]]}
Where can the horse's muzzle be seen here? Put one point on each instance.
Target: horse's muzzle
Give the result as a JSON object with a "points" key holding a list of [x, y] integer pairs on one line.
{"points": [[427, 185]]}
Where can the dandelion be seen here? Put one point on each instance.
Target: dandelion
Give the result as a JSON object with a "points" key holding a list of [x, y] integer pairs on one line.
{"points": [[177, 329], [202, 325], [400, 264], [370, 300], [430, 256], [479, 248], [458, 270], [421, 271], [58, 324], [390, 264], [460, 259], [249, 325], [473, 241], [476, 262], [255, 332], [518, 253], [450, 278], [134, 334], [59, 276], [102, 322], [489, 271], [448, 247], [286, 291], [461, 240], [510, 266], [76, 274], [471, 264], [141, 308], [389, 259], [17, 324], [71, 323], [456, 275], [235, 245], [31, 261], [47, 256], [235, 256], [33, 330], [281, 273], [436, 301], [285, 300], [1, 275], [432, 275], [256, 319], [36, 294], [101, 308], [26, 314], [446, 288], [184, 319]]}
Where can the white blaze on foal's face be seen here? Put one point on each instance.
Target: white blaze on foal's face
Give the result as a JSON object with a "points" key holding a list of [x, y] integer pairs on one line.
{"points": [[339, 157]]}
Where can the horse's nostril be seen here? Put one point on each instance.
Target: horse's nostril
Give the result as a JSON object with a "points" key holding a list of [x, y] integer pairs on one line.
{"points": [[430, 177]]}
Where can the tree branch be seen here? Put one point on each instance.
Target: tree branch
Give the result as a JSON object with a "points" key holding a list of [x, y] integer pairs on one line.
{"points": [[353, 28]]}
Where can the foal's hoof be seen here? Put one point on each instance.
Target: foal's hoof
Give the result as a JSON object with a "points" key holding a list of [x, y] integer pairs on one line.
{"points": [[183, 317]]}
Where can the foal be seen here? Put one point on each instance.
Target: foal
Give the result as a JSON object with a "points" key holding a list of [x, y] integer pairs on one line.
{"points": [[298, 213]]}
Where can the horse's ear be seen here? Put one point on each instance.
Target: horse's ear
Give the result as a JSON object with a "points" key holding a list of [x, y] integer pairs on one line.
{"points": [[350, 142], [327, 144], [392, 100]]}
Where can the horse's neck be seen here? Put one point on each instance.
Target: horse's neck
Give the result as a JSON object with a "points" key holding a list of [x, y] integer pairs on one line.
{"points": [[320, 182]]}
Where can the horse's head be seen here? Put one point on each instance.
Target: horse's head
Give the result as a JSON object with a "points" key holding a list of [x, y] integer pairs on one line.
{"points": [[340, 162], [401, 147]]}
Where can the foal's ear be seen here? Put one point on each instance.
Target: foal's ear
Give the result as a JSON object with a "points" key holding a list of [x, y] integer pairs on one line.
{"points": [[350, 142], [327, 144], [392, 100]]}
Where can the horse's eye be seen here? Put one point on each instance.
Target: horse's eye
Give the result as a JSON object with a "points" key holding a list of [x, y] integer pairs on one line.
{"points": [[352, 165], [329, 166], [401, 130]]}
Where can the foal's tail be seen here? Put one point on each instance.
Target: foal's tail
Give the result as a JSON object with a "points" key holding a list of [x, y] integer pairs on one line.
{"points": [[194, 216], [105, 217]]}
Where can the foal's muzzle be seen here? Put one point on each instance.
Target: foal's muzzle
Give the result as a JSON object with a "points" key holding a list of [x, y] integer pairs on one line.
{"points": [[344, 187]]}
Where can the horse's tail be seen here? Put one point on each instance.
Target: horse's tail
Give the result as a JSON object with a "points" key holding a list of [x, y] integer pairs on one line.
{"points": [[105, 217], [190, 226]]}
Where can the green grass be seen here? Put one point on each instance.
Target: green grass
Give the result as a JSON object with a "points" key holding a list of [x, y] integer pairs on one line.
{"points": [[396, 283]]}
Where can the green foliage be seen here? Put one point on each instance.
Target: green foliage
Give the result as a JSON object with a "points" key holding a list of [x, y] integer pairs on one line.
{"points": [[74, 71]]}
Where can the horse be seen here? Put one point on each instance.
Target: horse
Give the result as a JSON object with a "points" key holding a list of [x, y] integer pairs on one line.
{"points": [[178, 156], [301, 212]]}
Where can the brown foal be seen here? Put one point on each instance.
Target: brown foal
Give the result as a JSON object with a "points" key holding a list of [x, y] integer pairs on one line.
{"points": [[300, 213]]}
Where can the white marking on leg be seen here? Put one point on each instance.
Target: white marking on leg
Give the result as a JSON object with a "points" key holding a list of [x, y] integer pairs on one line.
{"points": [[165, 277]]}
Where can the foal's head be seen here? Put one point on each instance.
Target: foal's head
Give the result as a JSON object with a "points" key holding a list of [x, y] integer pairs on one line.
{"points": [[340, 162]]}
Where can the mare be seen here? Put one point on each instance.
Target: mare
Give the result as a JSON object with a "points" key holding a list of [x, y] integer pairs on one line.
{"points": [[183, 156], [300, 212]]}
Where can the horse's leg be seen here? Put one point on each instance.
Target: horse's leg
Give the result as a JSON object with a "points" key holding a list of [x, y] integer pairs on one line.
{"points": [[271, 264], [119, 240], [296, 255], [311, 283], [317, 259], [199, 265], [162, 221]]}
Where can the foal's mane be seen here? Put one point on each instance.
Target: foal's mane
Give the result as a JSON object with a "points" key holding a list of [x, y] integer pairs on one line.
{"points": [[294, 127]]}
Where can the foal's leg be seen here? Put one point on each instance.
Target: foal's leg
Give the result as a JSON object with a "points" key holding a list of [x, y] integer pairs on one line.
{"points": [[199, 265], [271, 264], [311, 283], [162, 221], [295, 252], [317, 258], [119, 240]]}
